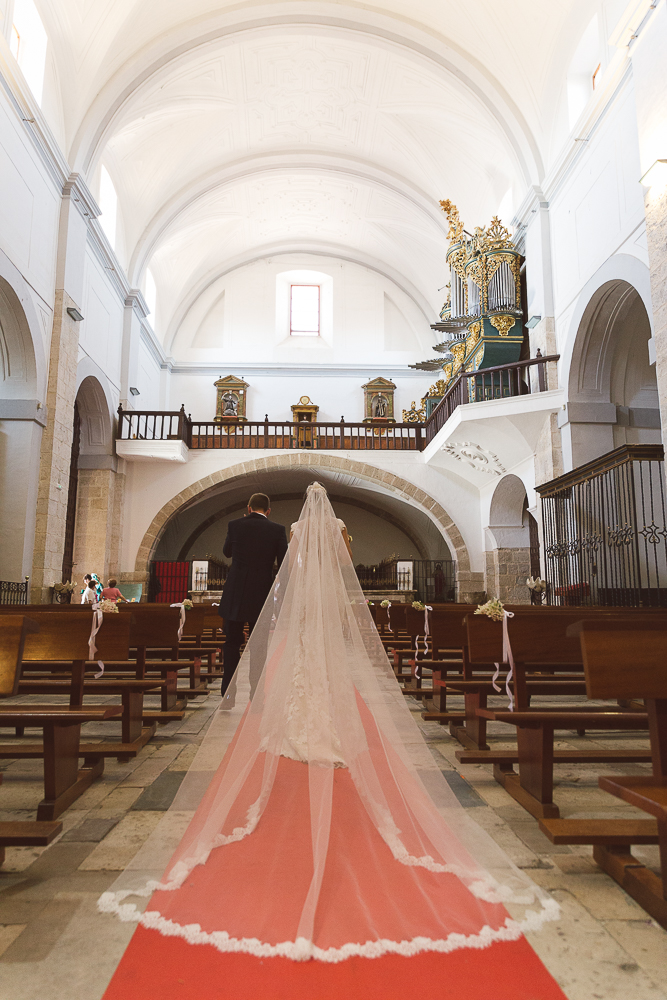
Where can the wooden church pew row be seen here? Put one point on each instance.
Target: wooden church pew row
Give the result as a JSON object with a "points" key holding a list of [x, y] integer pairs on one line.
{"points": [[476, 686], [53, 677], [156, 634], [534, 638], [64, 637], [627, 662], [24, 833]]}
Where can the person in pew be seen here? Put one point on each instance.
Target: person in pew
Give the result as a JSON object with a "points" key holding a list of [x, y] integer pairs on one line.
{"points": [[112, 593], [254, 544], [90, 593]]}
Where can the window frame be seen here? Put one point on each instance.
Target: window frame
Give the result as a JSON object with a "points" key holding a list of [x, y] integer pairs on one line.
{"points": [[305, 333]]}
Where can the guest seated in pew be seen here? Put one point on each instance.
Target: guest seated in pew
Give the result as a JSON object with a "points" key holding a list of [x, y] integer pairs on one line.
{"points": [[112, 593]]}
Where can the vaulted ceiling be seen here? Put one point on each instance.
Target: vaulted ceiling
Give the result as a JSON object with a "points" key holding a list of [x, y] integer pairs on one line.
{"points": [[233, 131]]}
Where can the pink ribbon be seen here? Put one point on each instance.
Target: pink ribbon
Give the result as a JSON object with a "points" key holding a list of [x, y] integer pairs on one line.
{"points": [[98, 618], [418, 672], [180, 627], [507, 658], [388, 610]]}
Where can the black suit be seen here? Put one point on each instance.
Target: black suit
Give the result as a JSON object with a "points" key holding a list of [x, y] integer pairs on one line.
{"points": [[254, 544]]}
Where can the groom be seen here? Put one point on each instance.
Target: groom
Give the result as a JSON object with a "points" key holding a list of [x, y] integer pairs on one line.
{"points": [[253, 543]]}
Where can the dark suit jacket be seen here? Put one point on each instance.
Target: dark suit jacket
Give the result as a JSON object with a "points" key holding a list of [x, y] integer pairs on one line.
{"points": [[253, 542]]}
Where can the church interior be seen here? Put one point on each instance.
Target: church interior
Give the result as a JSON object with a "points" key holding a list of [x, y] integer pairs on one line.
{"points": [[242, 247]]}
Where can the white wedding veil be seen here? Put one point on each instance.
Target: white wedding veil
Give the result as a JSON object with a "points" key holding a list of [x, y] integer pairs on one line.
{"points": [[327, 713]]}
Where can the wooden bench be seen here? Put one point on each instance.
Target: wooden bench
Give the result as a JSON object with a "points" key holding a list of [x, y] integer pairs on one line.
{"points": [[541, 640], [64, 637], [622, 660], [24, 833]]}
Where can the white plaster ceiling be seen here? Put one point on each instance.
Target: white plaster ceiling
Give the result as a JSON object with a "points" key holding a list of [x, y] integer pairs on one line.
{"points": [[231, 130]]}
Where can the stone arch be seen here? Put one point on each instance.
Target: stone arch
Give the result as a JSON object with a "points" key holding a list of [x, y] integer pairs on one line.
{"points": [[22, 418], [508, 541], [96, 412], [611, 383], [468, 583]]}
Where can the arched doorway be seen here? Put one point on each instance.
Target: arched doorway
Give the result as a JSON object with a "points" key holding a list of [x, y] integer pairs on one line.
{"points": [[22, 419], [419, 512], [511, 554], [612, 388]]}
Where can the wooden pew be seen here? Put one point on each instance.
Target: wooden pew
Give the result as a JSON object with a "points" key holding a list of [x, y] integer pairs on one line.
{"points": [[53, 677], [541, 640], [623, 660], [13, 632], [64, 637]]}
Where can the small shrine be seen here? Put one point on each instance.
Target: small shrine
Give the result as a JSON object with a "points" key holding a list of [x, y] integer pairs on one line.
{"points": [[482, 319], [304, 415], [379, 401], [231, 399]]}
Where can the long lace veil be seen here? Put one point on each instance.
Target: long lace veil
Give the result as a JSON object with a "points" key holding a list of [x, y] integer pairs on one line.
{"points": [[327, 709]]}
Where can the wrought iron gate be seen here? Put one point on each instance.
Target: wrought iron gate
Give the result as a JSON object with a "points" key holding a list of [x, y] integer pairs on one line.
{"points": [[605, 531]]}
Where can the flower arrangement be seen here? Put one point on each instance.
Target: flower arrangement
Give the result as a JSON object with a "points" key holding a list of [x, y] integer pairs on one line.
{"points": [[107, 607], [385, 604], [370, 603], [494, 609], [419, 606], [536, 585], [64, 588], [187, 604]]}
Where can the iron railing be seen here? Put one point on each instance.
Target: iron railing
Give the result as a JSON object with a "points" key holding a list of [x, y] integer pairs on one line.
{"points": [[605, 531], [13, 593], [500, 382], [489, 383]]}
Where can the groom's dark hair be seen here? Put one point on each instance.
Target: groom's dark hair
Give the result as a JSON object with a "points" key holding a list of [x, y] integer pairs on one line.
{"points": [[259, 501]]}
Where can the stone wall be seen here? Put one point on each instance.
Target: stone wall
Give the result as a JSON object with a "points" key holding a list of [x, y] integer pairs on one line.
{"points": [[506, 573]]}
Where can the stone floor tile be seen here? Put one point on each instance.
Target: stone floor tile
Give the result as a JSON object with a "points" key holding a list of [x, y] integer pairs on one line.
{"points": [[645, 941], [118, 801], [529, 832], [92, 829], [147, 772], [161, 793], [587, 961], [120, 846], [9, 934], [38, 938]]}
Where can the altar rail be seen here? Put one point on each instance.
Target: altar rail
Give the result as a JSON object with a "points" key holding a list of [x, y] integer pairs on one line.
{"points": [[501, 382]]}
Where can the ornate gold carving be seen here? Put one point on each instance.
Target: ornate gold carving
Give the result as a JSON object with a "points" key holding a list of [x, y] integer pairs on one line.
{"points": [[455, 225], [475, 331], [438, 388], [413, 415], [497, 236], [503, 324]]}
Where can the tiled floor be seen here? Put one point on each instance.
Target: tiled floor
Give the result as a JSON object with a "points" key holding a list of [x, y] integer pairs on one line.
{"points": [[54, 944]]}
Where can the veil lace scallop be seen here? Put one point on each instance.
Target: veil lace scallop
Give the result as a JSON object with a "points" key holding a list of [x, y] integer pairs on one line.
{"points": [[328, 701]]}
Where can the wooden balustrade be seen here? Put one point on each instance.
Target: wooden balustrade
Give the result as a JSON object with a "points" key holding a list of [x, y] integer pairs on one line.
{"points": [[489, 383]]}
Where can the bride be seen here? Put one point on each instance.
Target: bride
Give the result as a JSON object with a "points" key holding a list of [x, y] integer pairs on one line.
{"points": [[328, 831]]}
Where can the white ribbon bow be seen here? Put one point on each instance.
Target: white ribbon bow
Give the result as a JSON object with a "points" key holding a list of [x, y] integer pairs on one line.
{"points": [[98, 618], [180, 627], [388, 610], [418, 672], [507, 658]]}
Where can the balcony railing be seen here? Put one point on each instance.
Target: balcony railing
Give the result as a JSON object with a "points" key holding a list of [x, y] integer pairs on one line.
{"points": [[491, 383], [504, 381]]}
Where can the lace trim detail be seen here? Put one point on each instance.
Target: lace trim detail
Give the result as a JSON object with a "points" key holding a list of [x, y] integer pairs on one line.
{"points": [[302, 950]]}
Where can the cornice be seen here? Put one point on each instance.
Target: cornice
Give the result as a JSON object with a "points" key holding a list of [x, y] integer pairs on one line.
{"points": [[76, 188], [154, 348], [137, 302], [281, 370]]}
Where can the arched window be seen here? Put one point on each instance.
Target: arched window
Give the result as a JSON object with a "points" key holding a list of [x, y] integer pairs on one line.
{"points": [[583, 72], [109, 206], [28, 43]]}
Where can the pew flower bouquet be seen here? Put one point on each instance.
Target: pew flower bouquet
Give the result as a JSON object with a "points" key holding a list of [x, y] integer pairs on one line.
{"points": [[187, 604], [385, 604], [419, 606], [536, 585], [494, 609], [107, 607], [370, 603]]}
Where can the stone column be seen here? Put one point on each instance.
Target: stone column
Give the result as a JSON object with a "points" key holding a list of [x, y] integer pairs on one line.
{"points": [[56, 452], [77, 209], [94, 522], [506, 574], [649, 67]]}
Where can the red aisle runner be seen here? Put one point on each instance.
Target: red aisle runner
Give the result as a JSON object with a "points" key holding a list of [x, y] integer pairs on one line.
{"points": [[160, 968]]}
